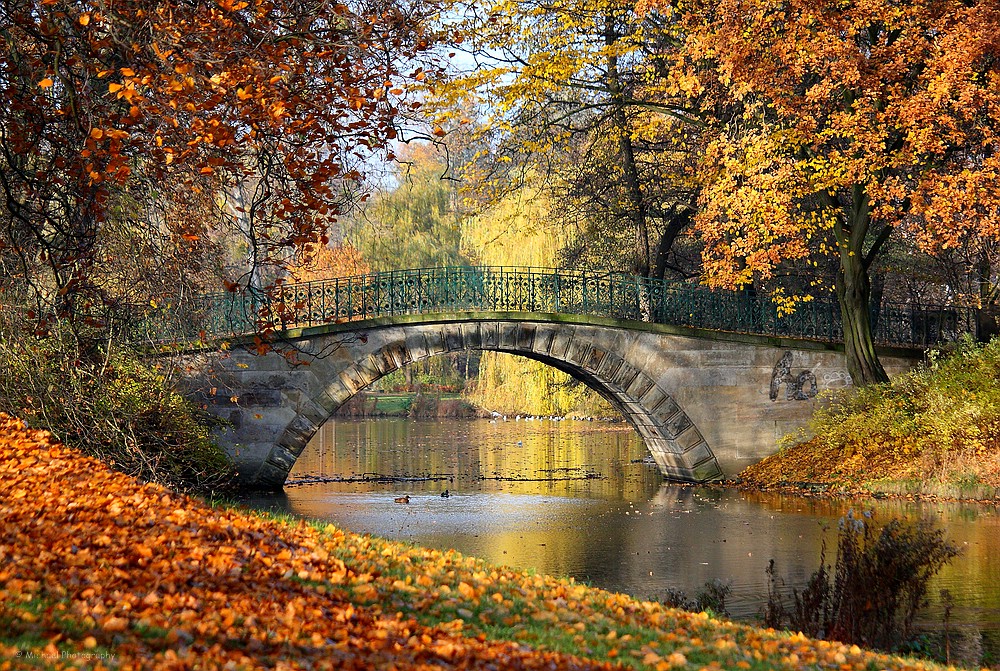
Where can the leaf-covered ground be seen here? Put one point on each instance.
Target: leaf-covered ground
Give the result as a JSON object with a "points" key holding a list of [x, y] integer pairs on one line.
{"points": [[99, 571], [933, 431]]}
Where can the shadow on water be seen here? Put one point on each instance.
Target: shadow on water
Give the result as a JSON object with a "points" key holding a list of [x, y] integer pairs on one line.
{"points": [[578, 499]]}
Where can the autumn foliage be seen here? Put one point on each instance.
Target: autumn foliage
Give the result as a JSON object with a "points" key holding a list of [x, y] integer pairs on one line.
{"points": [[862, 124], [93, 561], [189, 129]]}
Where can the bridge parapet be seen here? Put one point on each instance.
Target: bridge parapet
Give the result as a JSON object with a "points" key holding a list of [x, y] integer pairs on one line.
{"points": [[538, 290]]}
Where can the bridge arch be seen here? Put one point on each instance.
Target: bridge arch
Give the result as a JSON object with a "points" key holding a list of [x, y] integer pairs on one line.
{"points": [[590, 354]]}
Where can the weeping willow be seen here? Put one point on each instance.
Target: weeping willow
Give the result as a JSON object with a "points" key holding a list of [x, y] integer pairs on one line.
{"points": [[515, 233]]}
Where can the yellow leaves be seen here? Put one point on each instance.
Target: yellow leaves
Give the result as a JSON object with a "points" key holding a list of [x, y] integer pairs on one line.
{"points": [[45, 83]]}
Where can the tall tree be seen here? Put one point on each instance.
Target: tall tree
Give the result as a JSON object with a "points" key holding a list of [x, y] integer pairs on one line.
{"points": [[154, 114], [862, 121], [564, 99]]}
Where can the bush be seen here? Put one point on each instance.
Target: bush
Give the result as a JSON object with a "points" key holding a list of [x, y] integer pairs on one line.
{"points": [[876, 588], [106, 402], [711, 598], [952, 402]]}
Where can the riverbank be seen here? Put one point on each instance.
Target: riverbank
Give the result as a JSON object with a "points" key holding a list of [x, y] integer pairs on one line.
{"points": [[931, 433], [814, 468], [99, 571], [413, 405]]}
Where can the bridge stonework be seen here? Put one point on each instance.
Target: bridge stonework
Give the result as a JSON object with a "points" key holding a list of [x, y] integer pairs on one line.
{"points": [[705, 406]]}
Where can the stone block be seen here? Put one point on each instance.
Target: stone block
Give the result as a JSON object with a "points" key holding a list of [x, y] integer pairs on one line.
{"points": [[270, 477], [706, 471], [579, 352], [677, 425], [508, 336], [297, 434], [471, 335], [490, 333], [562, 340], [640, 384], [526, 337], [594, 359], [544, 335], [397, 353], [698, 453], [653, 397], [416, 345], [689, 438], [452, 337], [665, 411]]}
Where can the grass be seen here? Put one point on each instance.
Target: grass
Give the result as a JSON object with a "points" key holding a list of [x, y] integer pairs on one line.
{"points": [[448, 589]]}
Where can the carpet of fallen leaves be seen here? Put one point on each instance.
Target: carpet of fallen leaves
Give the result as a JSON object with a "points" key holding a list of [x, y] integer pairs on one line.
{"points": [[813, 461], [816, 468], [99, 571]]}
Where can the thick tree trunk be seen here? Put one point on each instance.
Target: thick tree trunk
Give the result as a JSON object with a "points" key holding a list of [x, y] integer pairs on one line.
{"points": [[854, 295], [986, 316]]}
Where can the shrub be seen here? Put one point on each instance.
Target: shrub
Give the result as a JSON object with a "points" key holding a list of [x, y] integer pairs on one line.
{"points": [[711, 598], [877, 586], [952, 402], [104, 401]]}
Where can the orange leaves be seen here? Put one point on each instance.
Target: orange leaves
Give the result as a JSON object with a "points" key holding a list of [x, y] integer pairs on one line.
{"points": [[161, 578], [896, 113]]}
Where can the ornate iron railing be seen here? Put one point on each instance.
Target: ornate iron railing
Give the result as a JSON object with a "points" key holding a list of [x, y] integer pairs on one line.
{"points": [[539, 290]]}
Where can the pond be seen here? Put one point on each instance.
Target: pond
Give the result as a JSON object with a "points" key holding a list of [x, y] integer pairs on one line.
{"points": [[580, 498]]}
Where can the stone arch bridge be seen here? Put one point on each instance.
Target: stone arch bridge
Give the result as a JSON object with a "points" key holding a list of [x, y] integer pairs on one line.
{"points": [[710, 380]]}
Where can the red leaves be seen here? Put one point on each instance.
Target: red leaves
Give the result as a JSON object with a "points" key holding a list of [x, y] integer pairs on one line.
{"points": [[200, 98]]}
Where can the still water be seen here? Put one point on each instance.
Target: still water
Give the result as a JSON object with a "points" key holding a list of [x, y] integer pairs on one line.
{"points": [[576, 498]]}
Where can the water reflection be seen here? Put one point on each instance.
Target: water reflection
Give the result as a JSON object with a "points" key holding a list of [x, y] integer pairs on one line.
{"points": [[574, 498]]}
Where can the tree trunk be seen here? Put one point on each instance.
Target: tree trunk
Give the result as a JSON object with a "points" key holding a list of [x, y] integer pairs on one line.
{"points": [[630, 169], [854, 295], [986, 316], [677, 223]]}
